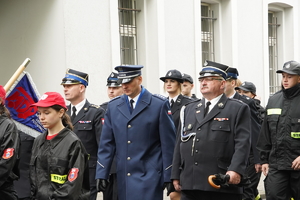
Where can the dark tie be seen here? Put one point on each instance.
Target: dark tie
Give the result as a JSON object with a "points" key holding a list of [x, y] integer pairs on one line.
{"points": [[172, 103], [206, 108], [131, 105], [74, 113]]}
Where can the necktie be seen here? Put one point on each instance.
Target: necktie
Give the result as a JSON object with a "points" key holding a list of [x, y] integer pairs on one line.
{"points": [[131, 105], [74, 113], [172, 103], [206, 108]]}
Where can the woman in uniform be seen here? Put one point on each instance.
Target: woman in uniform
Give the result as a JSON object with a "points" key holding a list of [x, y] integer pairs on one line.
{"points": [[59, 162], [9, 148]]}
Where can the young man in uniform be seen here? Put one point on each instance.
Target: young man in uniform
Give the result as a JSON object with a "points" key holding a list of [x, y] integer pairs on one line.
{"points": [[139, 130], [187, 86], [253, 170], [214, 137], [279, 140], [86, 119]]}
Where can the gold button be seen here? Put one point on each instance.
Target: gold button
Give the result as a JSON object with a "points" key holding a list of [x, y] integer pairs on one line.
{"points": [[128, 141], [128, 174], [129, 126], [128, 158]]}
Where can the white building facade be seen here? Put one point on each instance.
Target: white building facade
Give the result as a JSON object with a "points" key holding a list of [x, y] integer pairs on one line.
{"points": [[256, 37]]}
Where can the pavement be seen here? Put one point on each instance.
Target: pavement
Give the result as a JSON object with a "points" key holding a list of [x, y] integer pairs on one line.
{"points": [[261, 190]]}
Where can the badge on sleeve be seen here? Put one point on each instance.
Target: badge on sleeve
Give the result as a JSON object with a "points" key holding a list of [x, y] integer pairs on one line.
{"points": [[102, 119], [73, 174], [8, 153]]}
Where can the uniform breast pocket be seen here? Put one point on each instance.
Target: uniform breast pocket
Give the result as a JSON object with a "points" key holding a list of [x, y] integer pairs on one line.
{"points": [[220, 132], [59, 166], [85, 127], [272, 121], [295, 125]]}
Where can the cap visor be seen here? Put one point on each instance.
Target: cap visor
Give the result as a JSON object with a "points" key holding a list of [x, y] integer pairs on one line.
{"points": [[286, 71]]}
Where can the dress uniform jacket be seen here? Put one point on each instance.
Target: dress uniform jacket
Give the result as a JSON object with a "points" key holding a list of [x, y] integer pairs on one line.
{"points": [[180, 101], [59, 168], [143, 142], [255, 124], [9, 152], [87, 126], [221, 143]]}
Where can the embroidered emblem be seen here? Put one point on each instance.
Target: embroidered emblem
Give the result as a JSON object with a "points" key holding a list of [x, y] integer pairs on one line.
{"points": [[200, 104], [102, 119], [221, 105], [73, 174], [8, 153]]}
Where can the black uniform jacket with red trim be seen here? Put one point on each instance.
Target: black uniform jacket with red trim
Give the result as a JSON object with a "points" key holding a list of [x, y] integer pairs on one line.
{"points": [[59, 167]]}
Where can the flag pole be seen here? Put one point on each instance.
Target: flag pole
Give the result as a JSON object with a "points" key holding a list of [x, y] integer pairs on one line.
{"points": [[15, 76]]}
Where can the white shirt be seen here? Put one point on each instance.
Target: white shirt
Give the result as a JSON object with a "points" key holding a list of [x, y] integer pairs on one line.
{"points": [[78, 106], [174, 99], [134, 99], [213, 102]]}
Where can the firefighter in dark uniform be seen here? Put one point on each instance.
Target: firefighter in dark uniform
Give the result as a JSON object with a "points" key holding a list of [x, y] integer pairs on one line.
{"points": [[139, 131], [9, 152], [172, 85], [253, 170], [187, 86], [213, 137], [86, 118], [114, 89], [59, 161], [279, 140]]}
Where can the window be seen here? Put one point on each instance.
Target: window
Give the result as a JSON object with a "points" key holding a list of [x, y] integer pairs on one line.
{"points": [[207, 32], [128, 32], [274, 82]]}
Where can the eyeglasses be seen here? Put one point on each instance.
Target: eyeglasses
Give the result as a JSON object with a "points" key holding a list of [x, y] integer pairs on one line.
{"points": [[208, 79]]}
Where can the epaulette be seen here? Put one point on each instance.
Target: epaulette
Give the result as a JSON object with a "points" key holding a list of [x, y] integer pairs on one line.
{"points": [[160, 96], [237, 100], [115, 98], [194, 101], [94, 105]]}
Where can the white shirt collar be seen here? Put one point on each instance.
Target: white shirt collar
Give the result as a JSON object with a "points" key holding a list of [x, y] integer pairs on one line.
{"points": [[213, 102], [79, 106], [135, 100], [174, 99]]}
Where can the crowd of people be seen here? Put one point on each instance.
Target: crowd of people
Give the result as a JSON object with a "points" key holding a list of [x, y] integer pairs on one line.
{"points": [[139, 144]]}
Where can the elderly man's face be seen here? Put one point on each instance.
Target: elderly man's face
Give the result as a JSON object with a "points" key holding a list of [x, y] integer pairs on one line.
{"points": [[211, 87]]}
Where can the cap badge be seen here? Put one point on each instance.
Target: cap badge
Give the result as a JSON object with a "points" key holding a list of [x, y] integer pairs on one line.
{"points": [[170, 74], [243, 84], [221, 105], [287, 65], [205, 63], [44, 96], [112, 75], [182, 74]]}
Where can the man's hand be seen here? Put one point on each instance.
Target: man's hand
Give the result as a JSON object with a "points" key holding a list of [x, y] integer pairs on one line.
{"points": [[170, 187], [258, 168], [177, 185], [265, 169], [101, 185], [235, 178], [296, 163]]}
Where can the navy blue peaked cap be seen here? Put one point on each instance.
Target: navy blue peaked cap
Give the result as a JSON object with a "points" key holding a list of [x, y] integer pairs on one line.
{"points": [[211, 68], [75, 77], [128, 72], [232, 73]]}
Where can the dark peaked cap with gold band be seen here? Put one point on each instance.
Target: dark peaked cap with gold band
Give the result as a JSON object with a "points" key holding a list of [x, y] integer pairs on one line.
{"points": [[73, 77], [112, 80], [128, 72], [211, 68]]}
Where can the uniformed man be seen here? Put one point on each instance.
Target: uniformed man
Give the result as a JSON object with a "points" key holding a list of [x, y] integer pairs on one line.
{"points": [[86, 118], [187, 86], [114, 89], [279, 140], [214, 137], [139, 130], [253, 170]]}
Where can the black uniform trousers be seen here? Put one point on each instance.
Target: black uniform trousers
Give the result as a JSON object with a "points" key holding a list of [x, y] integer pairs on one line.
{"points": [[111, 192], [282, 184], [251, 191], [207, 195], [7, 191]]}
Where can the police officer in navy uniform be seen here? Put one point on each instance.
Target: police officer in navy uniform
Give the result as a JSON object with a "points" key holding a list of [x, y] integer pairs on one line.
{"points": [[253, 170], [172, 85], [86, 119], [187, 86], [139, 130], [214, 137], [114, 89]]}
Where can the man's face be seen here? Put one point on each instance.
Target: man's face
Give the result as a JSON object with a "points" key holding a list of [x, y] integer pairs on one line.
{"points": [[186, 88], [132, 88], [289, 80], [73, 92], [113, 92], [229, 86], [211, 87]]}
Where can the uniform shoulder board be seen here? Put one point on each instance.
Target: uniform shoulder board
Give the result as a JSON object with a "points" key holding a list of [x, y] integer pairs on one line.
{"points": [[95, 106], [115, 98], [192, 102], [160, 96]]}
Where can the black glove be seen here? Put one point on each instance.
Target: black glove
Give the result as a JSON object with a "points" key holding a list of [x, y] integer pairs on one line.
{"points": [[101, 185], [170, 187]]}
